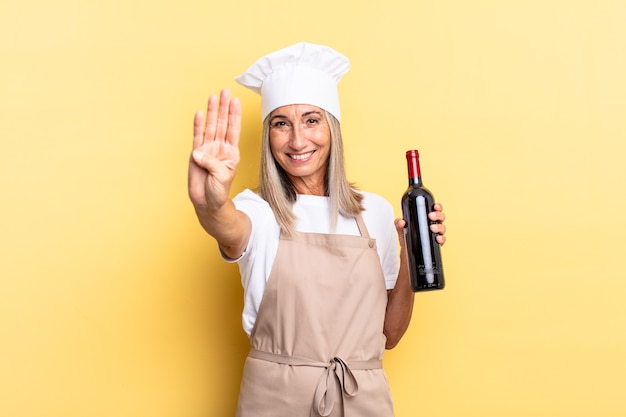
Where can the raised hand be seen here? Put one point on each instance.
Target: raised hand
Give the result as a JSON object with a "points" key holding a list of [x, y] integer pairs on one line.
{"points": [[215, 155]]}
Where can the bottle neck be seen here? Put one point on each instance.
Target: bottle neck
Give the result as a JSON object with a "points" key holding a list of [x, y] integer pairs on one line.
{"points": [[415, 182], [413, 165]]}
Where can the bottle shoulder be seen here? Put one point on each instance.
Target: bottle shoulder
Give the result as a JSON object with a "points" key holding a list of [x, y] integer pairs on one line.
{"points": [[415, 191]]}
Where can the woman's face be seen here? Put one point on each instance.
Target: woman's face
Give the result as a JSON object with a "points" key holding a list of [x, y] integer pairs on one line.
{"points": [[300, 143]]}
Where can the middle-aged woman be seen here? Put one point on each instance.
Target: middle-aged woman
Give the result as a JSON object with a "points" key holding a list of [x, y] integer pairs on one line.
{"points": [[325, 290]]}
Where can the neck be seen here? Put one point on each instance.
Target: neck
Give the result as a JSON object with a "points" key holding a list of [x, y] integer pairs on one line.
{"points": [[308, 186], [319, 191]]}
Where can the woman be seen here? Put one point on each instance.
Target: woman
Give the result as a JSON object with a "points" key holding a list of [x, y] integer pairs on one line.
{"points": [[325, 290]]}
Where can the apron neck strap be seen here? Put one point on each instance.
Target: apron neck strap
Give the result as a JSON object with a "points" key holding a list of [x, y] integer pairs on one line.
{"points": [[361, 224]]}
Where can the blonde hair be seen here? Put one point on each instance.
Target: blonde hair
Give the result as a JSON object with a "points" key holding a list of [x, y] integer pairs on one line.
{"points": [[276, 188]]}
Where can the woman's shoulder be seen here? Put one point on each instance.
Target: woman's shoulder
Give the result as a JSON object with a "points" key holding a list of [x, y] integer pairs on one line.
{"points": [[379, 217], [373, 201], [248, 197], [252, 204]]}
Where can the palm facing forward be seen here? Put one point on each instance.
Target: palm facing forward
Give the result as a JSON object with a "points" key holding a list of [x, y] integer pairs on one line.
{"points": [[215, 155]]}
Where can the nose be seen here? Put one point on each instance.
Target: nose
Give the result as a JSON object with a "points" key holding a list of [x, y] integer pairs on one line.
{"points": [[297, 138]]}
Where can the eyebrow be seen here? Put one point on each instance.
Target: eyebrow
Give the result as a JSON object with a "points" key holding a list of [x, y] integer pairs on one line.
{"points": [[305, 114], [316, 112]]}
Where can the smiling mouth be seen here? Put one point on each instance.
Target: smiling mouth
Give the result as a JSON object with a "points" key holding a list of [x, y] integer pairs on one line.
{"points": [[301, 156]]}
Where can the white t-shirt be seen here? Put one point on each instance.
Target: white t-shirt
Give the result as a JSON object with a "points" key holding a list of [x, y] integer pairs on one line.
{"points": [[313, 216]]}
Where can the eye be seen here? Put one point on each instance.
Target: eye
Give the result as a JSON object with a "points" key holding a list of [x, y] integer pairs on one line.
{"points": [[279, 124], [312, 121]]}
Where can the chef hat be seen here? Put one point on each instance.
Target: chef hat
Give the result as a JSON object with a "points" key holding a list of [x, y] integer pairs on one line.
{"points": [[303, 73]]}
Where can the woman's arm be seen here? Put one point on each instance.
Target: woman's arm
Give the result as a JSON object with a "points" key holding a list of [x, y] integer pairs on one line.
{"points": [[401, 298], [212, 167]]}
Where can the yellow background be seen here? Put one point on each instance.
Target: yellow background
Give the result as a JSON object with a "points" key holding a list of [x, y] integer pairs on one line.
{"points": [[114, 303]]}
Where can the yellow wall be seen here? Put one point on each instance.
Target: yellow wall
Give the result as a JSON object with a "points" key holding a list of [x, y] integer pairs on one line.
{"points": [[113, 303]]}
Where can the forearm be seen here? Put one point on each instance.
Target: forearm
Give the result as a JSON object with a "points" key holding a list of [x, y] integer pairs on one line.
{"points": [[229, 226], [399, 305]]}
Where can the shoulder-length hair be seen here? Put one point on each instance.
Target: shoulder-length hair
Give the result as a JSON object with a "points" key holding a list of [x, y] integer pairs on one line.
{"points": [[276, 188]]}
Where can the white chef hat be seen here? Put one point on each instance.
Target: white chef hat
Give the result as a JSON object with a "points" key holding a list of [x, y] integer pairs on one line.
{"points": [[303, 73]]}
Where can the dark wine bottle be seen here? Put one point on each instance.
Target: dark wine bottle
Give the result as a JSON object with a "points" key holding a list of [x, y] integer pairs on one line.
{"points": [[423, 251]]}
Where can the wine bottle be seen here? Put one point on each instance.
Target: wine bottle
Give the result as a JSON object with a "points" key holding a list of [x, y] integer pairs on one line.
{"points": [[423, 251]]}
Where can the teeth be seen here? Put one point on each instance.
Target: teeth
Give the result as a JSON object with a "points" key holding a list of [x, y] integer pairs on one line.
{"points": [[301, 156]]}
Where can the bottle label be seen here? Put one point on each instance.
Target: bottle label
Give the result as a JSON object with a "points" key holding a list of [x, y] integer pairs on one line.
{"points": [[422, 217], [422, 270]]}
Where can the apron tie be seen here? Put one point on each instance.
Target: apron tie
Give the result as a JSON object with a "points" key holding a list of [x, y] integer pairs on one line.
{"points": [[337, 371]]}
